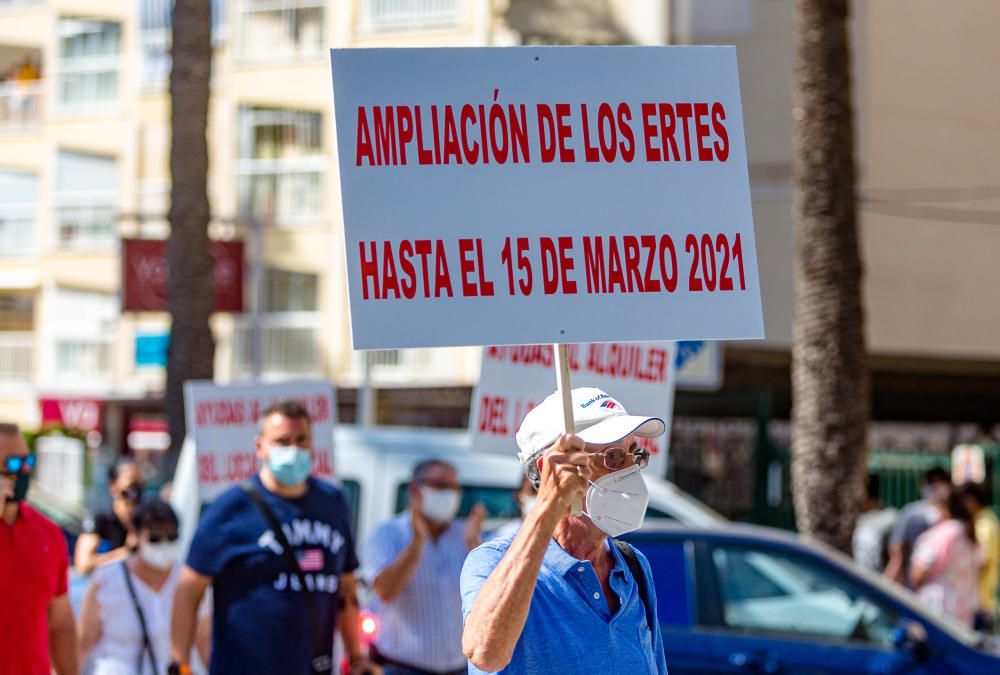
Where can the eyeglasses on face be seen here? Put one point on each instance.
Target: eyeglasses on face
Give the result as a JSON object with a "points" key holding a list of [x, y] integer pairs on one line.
{"points": [[615, 457], [17, 463]]}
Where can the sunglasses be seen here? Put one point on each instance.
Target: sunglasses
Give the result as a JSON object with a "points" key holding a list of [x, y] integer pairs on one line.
{"points": [[157, 538], [616, 457], [17, 463]]}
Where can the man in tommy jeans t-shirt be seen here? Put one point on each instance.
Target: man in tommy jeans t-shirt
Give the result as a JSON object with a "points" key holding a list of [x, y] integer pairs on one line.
{"points": [[262, 622]]}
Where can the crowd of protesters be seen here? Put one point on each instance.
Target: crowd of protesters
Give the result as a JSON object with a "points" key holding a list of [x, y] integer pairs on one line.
{"points": [[272, 571], [944, 546], [227, 605]]}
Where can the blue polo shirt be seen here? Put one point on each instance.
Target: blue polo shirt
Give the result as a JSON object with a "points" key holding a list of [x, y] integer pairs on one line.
{"points": [[569, 627]]}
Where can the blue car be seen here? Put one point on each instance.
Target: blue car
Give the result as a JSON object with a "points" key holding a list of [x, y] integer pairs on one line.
{"points": [[744, 599]]}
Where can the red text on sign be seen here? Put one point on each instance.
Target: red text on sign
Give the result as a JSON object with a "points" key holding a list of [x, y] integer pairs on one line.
{"points": [[643, 264], [710, 262], [404, 270], [666, 126]]}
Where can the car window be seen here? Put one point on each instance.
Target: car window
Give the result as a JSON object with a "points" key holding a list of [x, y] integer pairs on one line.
{"points": [[774, 592], [499, 501], [351, 490]]}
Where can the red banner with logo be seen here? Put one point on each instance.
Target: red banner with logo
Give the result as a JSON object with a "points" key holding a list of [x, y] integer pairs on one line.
{"points": [[144, 275], [78, 414]]}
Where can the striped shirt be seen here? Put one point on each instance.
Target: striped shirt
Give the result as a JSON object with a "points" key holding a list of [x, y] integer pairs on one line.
{"points": [[422, 627]]}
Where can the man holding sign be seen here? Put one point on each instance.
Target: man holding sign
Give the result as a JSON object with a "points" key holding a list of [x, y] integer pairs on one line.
{"points": [[540, 600]]}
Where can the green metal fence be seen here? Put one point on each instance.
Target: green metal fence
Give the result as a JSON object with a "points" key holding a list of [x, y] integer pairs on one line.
{"points": [[899, 471]]}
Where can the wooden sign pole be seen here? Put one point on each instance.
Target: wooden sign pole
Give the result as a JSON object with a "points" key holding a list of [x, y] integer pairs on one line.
{"points": [[565, 389]]}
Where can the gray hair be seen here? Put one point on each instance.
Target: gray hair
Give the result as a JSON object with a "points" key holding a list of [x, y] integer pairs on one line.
{"points": [[530, 467], [423, 468]]}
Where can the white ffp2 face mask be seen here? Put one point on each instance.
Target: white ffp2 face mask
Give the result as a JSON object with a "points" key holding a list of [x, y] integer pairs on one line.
{"points": [[161, 556], [439, 505], [617, 502]]}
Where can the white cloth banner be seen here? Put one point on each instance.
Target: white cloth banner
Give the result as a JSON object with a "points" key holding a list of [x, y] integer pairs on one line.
{"points": [[544, 194], [513, 380], [222, 421]]}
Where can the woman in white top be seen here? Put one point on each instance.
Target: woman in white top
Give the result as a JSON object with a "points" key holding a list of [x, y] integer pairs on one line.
{"points": [[125, 618]]}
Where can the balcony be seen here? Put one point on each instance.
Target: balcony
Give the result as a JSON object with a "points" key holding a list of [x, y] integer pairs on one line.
{"points": [[87, 69], [20, 107], [87, 85], [289, 346], [83, 360], [16, 358], [286, 193], [17, 230], [282, 29], [404, 367], [384, 16], [85, 225], [15, 5]]}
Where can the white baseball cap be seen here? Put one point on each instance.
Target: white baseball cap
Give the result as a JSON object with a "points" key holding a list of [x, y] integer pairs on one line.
{"points": [[598, 419]]}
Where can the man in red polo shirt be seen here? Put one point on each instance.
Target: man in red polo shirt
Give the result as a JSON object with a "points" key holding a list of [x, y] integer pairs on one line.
{"points": [[37, 632]]}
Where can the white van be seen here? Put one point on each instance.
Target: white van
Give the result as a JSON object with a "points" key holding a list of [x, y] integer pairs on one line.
{"points": [[374, 467]]}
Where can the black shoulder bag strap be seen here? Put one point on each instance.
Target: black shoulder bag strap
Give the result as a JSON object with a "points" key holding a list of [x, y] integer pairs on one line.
{"points": [[146, 645], [321, 663], [632, 560]]}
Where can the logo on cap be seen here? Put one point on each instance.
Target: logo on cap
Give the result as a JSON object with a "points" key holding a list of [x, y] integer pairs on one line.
{"points": [[600, 396], [608, 404]]}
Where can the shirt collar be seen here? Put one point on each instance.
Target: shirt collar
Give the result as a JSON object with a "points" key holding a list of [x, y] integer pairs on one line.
{"points": [[557, 559]]}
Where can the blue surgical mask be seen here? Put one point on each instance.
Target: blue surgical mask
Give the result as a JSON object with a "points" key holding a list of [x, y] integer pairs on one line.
{"points": [[289, 464]]}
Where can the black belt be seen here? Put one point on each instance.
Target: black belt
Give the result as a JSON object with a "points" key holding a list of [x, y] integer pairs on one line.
{"points": [[383, 660]]}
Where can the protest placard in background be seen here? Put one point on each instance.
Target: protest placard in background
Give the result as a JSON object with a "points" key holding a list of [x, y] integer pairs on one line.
{"points": [[222, 421], [513, 380], [544, 194], [699, 365]]}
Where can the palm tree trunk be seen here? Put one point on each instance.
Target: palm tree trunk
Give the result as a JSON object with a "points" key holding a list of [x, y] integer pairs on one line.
{"points": [[190, 285], [830, 381]]}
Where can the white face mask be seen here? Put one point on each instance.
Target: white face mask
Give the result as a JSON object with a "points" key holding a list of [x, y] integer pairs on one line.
{"points": [[439, 505], [161, 556], [527, 503], [617, 502]]}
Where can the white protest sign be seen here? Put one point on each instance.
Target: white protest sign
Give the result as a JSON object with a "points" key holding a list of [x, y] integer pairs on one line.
{"points": [[515, 379], [222, 421], [544, 194]]}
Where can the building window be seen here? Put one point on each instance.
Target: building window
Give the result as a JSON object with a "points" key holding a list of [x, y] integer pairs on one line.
{"points": [[155, 37], [291, 29], [89, 61], [289, 329], [83, 327], [18, 213], [282, 166], [290, 291], [384, 16], [86, 201]]}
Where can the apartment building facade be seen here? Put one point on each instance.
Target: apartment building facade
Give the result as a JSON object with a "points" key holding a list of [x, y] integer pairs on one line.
{"points": [[84, 161]]}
